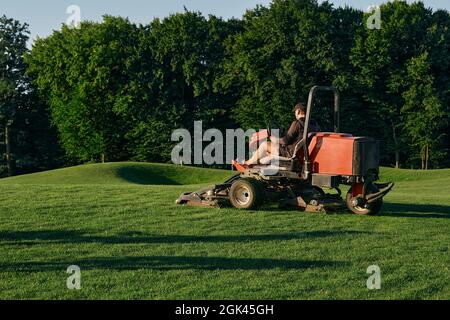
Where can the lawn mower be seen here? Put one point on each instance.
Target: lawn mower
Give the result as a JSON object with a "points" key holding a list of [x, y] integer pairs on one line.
{"points": [[321, 160]]}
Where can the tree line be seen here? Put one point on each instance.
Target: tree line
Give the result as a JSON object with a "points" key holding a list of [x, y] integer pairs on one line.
{"points": [[116, 90]]}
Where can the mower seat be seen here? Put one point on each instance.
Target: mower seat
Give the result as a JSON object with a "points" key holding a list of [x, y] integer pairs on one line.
{"points": [[297, 150]]}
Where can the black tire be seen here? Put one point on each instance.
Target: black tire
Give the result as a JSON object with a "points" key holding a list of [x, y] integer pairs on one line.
{"points": [[246, 193], [369, 208]]}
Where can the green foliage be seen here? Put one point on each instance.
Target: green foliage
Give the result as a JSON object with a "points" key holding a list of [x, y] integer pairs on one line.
{"points": [[389, 77], [175, 85], [118, 90], [27, 142], [283, 51], [424, 115], [13, 84], [82, 73]]}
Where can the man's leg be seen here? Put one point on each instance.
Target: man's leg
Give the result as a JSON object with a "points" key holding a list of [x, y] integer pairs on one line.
{"points": [[270, 158], [263, 150]]}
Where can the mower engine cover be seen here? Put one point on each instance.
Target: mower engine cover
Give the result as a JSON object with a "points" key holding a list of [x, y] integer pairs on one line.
{"points": [[343, 154]]}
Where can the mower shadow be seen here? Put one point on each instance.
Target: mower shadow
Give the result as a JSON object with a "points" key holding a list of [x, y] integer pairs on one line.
{"points": [[415, 210], [69, 236], [165, 263]]}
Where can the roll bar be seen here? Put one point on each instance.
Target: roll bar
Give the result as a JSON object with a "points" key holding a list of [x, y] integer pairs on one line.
{"points": [[312, 94]]}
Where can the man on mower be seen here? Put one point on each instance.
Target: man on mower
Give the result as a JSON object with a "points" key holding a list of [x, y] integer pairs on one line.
{"points": [[285, 146]]}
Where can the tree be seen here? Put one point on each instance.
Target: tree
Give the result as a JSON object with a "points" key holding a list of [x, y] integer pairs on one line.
{"points": [[424, 114], [13, 83], [179, 59], [36, 143], [438, 49], [81, 73], [116, 90], [382, 61], [283, 51]]}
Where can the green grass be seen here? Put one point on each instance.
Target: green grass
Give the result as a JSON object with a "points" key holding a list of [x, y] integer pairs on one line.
{"points": [[121, 173], [120, 224]]}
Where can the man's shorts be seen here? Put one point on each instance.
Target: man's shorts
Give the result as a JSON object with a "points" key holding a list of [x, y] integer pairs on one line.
{"points": [[285, 151]]}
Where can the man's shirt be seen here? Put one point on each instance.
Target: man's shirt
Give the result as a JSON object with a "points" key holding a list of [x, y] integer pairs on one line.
{"points": [[295, 133]]}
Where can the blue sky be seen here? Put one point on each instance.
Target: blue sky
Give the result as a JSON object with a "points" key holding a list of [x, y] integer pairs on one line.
{"points": [[43, 16]]}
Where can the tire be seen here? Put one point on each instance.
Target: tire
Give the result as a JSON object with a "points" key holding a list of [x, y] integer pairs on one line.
{"points": [[369, 208], [246, 193]]}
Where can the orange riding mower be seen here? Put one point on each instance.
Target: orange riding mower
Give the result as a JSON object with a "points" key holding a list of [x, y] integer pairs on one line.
{"points": [[321, 160]]}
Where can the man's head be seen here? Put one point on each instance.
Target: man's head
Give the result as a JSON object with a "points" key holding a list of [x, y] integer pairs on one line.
{"points": [[299, 111]]}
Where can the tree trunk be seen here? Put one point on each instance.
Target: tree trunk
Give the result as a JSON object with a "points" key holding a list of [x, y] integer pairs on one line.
{"points": [[426, 156], [397, 153], [9, 159], [103, 158], [422, 157], [397, 159]]}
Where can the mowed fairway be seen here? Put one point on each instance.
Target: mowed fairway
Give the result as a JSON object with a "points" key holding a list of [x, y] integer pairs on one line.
{"points": [[120, 225]]}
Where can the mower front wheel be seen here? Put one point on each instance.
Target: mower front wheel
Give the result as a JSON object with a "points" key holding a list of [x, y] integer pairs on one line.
{"points": [[246, 193], [364, 208]]}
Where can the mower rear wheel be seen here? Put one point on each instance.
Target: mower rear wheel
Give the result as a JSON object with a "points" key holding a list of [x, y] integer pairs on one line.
{"points": [[364, 209], [246, 193]]}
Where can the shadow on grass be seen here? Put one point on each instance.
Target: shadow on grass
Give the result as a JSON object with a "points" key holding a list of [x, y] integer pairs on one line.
{"points": [[415, 210], [144, 176], [69, 236], [170, 263]]}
